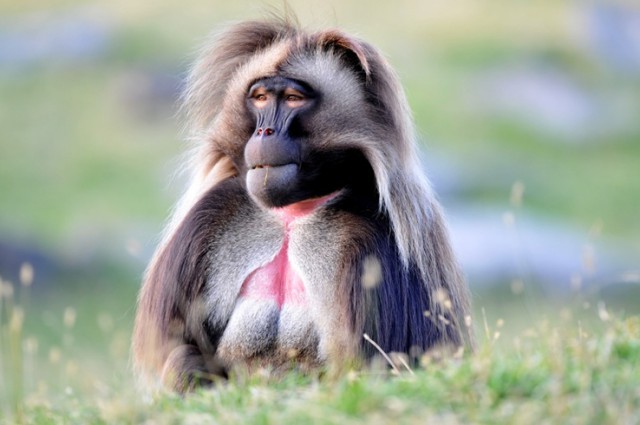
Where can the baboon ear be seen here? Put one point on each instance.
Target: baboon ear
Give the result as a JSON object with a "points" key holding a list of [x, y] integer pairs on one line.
{"points": [[354, 50]]}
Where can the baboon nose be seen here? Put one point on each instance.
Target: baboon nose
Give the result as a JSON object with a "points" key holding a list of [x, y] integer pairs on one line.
{"points": [[266, 131]]}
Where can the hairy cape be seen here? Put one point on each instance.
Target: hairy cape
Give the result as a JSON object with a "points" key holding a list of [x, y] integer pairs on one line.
{"points": [[260, 48]]}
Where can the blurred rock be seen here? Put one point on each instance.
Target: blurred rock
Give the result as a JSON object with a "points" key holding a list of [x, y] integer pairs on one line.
{"points": [[497, 246], [14, 254], [547, 100], [456, 177], [614, 31], [77, 35], [149, 95]]}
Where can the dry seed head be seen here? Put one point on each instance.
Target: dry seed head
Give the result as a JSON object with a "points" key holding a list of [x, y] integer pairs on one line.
{"points": [[400, 360], [71, 368], [396, 405], [378, 364], [263, 372], [437, 353], [509, 219], [69, 318], [441, 296], [386, 357], [54, 355], [425, 360], [467, 321], [26, 274], [517, 192], [30, 345], [517, 286], [371, 272], [17, 320], [6, 289], [459, 353], [603, 314]]}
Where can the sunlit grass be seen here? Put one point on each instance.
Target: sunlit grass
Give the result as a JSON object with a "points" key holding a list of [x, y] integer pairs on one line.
{"points": [[71, 142], [75, 161], [581, 365]]}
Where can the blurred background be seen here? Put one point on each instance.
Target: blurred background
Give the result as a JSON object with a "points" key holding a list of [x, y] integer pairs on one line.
{"points": [[528, 112]]}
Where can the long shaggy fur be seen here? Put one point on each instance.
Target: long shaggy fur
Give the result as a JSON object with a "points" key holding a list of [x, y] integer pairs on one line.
{"points": [[332, 59]]}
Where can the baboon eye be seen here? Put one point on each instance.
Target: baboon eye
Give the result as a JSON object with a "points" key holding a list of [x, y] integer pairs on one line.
{"points": [[260, 97], [293, 97]]}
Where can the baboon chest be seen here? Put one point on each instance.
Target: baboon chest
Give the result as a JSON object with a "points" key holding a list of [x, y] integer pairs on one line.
{"points": [[275, 315]]}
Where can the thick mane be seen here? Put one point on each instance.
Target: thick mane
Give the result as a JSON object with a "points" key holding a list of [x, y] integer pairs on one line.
{"points": [[209, 78], [405, 192], [304, 179], [406, 195]]}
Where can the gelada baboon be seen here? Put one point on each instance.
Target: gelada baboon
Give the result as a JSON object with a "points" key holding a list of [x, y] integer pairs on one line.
{"points": [[308, 221]]}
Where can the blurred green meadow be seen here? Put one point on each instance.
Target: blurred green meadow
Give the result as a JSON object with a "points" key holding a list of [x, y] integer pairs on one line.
{"points": [[529, 113]]}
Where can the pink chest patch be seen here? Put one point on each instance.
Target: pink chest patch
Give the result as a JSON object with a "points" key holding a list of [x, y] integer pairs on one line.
{"points": [[276, 280]]}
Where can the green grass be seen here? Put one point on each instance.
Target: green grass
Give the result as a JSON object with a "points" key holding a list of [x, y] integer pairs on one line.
{"points": [[78, 168], [73, 152], [579, 366]]}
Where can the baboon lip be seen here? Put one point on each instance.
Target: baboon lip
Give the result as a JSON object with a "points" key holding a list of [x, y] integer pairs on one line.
{"points": [[261, 166]]}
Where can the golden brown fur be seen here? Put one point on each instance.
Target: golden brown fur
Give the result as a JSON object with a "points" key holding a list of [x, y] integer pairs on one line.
{"points": [[352, 74]]}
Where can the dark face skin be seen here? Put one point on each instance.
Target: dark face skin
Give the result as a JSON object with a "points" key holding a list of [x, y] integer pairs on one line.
{"points": [[283, 167], [274, 154]]}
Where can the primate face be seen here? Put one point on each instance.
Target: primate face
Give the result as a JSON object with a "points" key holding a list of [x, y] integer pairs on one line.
{"points": [[283, 166]]}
